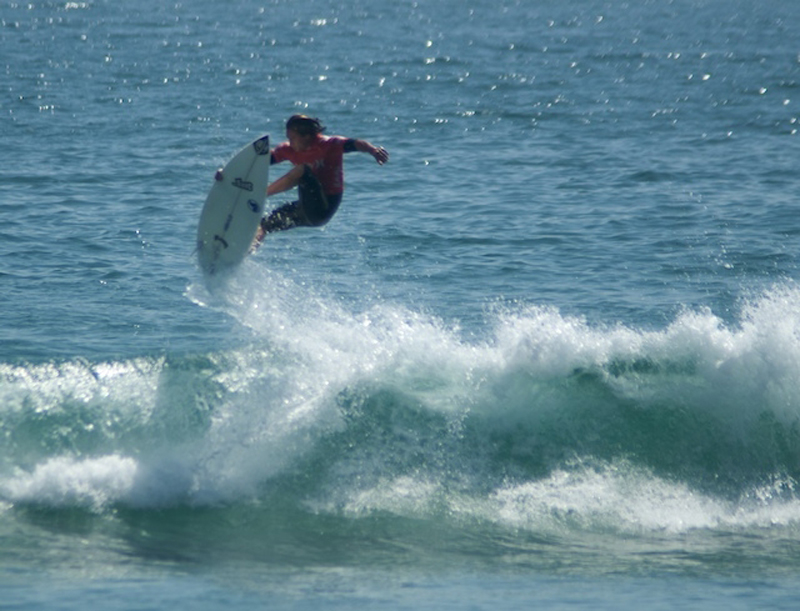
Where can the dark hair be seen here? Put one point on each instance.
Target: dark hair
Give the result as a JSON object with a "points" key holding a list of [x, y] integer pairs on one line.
{"points": [[305, 126]]}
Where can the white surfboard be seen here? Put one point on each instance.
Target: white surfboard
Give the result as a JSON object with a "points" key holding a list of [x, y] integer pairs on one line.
{"points": [[233, 209]]}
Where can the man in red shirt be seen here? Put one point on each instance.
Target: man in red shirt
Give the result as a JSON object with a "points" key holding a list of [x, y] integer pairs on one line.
{"points": [[318, 175]]}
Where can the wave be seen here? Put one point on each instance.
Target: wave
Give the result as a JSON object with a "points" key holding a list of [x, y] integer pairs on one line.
{"points": [[546, 422]]}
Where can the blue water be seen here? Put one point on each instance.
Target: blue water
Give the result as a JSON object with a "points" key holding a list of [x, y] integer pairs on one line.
{"points": [[548, 356]]}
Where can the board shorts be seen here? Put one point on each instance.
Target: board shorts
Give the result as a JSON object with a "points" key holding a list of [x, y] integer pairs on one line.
{"points": [[313, 208]]}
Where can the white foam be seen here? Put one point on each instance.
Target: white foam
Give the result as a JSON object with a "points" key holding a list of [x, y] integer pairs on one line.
{"points": [[64, 481], [620, 498], [617, 499], [404, 495]]}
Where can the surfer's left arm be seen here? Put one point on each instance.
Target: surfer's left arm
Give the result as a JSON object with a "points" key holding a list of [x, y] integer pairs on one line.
{"points": [[380, 154]]}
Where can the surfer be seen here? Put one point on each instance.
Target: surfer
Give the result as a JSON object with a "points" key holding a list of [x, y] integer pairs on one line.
{"points": [[318, 174]]}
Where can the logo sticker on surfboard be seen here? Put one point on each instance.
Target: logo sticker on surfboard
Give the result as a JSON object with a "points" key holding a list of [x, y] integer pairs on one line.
{"points": [[242, 184], [261, 145]]}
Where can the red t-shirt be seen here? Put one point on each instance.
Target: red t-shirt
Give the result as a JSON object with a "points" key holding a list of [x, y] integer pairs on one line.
{"points": [[325, 157]]}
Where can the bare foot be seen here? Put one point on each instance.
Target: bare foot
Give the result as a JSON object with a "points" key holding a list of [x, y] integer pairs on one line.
{"points": [[260, 235]]}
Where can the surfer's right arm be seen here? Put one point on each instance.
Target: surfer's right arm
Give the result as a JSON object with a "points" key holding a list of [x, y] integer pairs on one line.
{"points": [[364, 146]]}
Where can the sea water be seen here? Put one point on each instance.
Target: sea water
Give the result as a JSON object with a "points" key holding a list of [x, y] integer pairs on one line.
{"points": [[549, 355]]}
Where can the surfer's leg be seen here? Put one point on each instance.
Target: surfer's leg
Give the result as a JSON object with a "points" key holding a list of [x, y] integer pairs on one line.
{"points": [[313, 209], [307, 211], [287, 216]]}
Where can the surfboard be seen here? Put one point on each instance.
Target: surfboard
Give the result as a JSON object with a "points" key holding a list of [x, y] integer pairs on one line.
{"points": [[233, 209]]}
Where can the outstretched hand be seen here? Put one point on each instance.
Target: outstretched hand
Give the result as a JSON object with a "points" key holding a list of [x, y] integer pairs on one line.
{"points": [[381, 154]]}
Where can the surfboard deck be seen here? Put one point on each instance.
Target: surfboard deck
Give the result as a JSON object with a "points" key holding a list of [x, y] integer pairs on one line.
{"points": [[233, 209]]}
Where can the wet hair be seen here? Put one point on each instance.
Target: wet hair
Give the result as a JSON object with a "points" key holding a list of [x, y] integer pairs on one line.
{"points": [[305, 126]]}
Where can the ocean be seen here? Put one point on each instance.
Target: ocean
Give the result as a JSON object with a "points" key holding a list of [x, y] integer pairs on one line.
{"points": [[547, 357]]}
